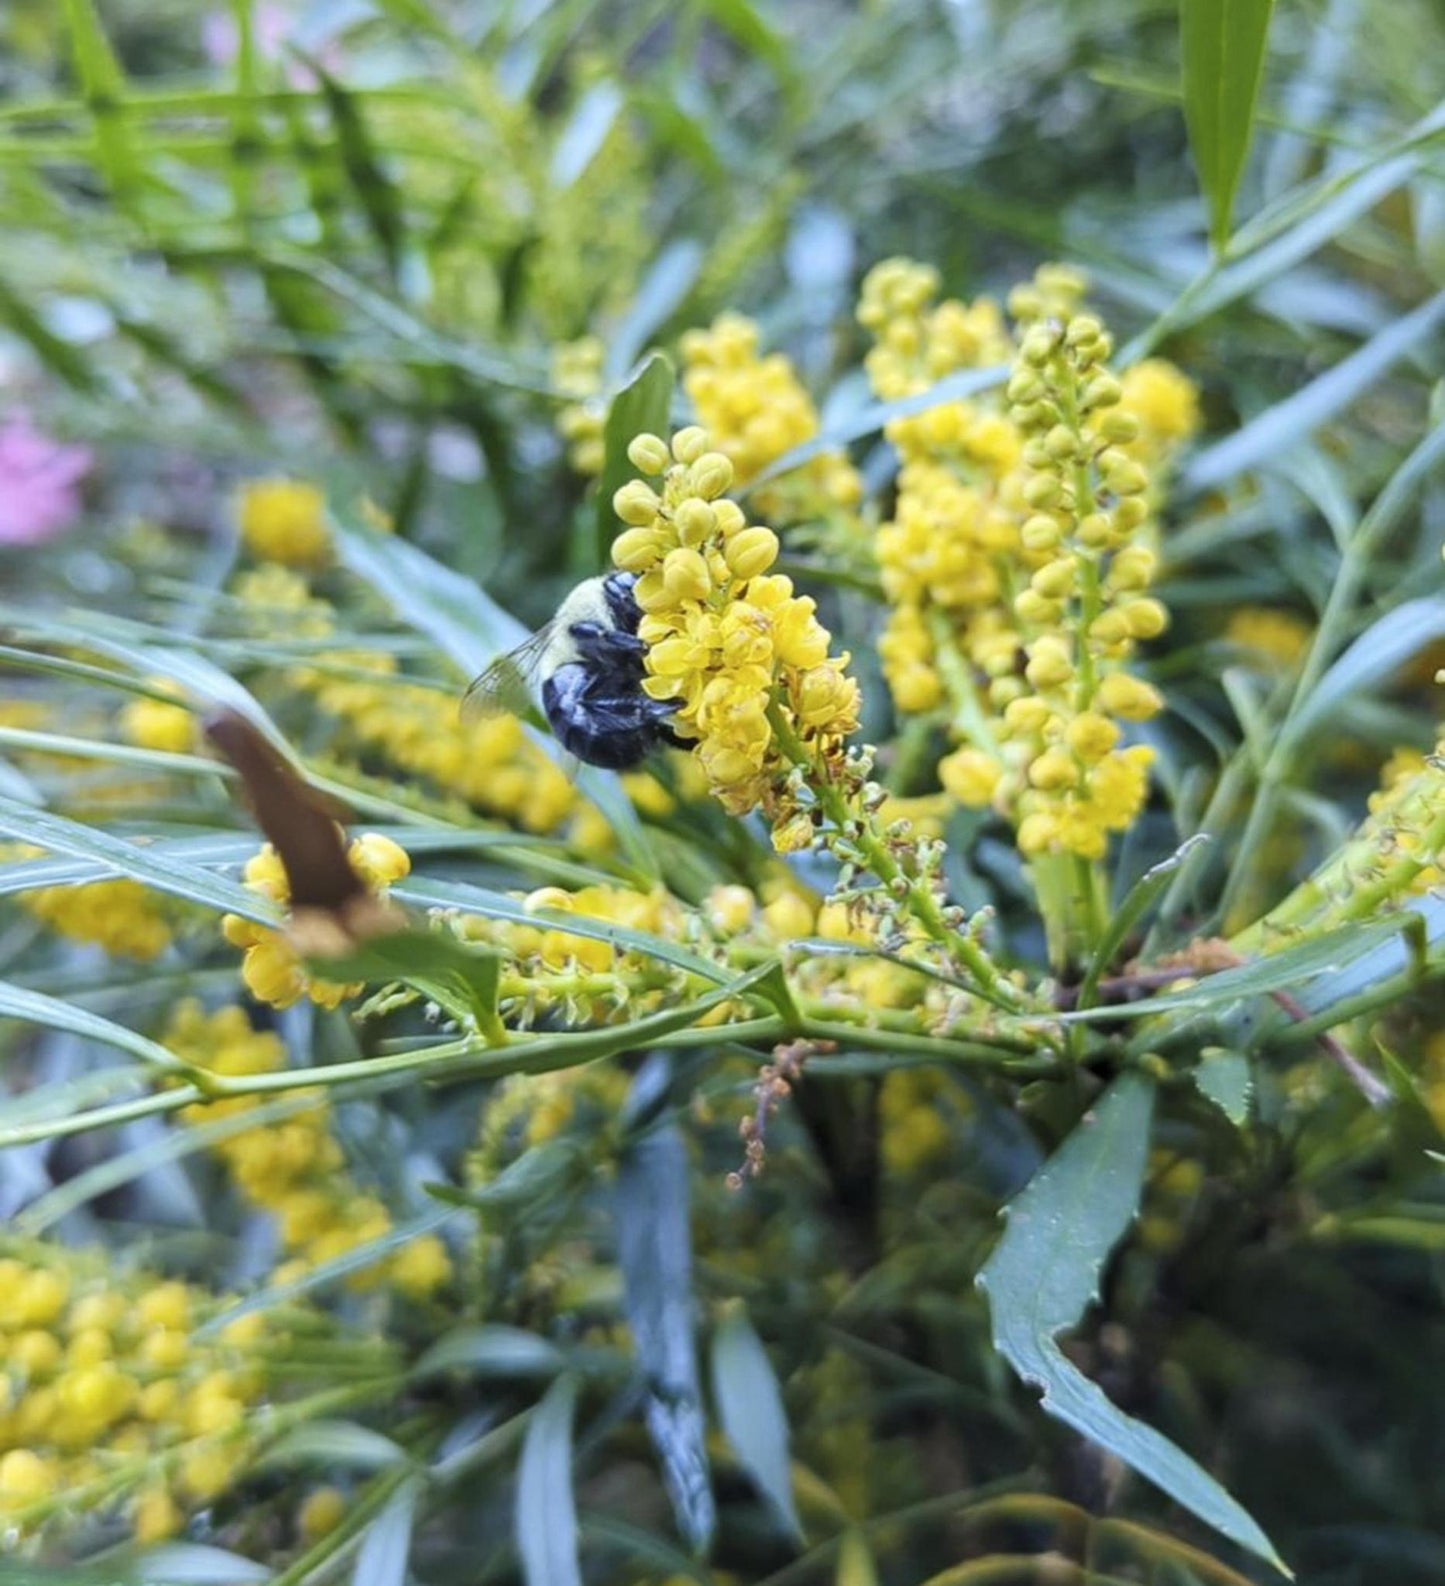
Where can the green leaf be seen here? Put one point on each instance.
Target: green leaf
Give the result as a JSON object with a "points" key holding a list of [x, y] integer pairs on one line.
{"points": [[460, 977], [654, 1246], [166, 874], [194, 1564], [1268, 437], [544, 1518], [333, 1443], [1045, 1271], [750, 1406], [642, 406], [1222, 53], [586, 131], [491, 1351], [104, 85], [380, 202], [386, 1543], [536, 1175], [659, 296], [1326, 954], [1225, 1078], [1379, 652], [1137, 903], [34, 1007]]}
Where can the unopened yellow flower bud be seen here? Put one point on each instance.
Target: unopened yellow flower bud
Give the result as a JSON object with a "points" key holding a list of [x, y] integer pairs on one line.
{"points": [[1130, 512], [378, 860], [1121, 473], [647, 453], [1032, 607], [1061, 443], [1110, 627], [729, 910], [1129, 698], [156, 1516], [695, 520], [1053, 771], [1026, 715], [1133, 568], [1037, 833], [1040, 533], [322, 1510], [1102, 391], [711, 474], [1096, 530], [752, 551], [1119, 426], [25, 1476], [729, 518], [1147, 619], [1049, 664], [635, 550], [689, 444], [636, 503], [1056, 579], [1042, 490], [971, 776], [685, 575], [789, 915], [1091, 736]]}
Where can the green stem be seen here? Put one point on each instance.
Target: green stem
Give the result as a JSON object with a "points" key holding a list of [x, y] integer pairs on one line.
{"points": [[921, 902]]}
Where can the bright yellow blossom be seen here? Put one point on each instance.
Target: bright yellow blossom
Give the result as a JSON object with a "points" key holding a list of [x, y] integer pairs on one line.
{"points": [[283, 520]]}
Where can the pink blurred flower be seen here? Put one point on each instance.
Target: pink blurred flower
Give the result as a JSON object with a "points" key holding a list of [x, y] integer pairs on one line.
{"points": [[271, 30], [39, 483]]}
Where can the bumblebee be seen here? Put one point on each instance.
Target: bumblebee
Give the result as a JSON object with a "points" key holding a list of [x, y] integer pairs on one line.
{"points": [[587, 666]]}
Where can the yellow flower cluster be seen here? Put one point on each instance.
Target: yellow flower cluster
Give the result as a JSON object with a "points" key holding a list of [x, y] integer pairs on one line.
{"points": [[272, 968], [489, 763], [293, 1169], [577, 375], [112, 1398], [744, 659], [755, 409], [1084, 608], [277, 602], [1272, 636], [1018, 558], [283, 520], [122, 917], [152, 724]]}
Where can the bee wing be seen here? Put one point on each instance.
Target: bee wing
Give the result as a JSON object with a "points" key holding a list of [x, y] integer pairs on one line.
{"points": [[505, 688]]}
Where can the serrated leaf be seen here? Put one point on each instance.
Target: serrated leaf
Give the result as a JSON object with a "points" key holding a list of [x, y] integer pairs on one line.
{"points": [[750, 1407], [343, 1444], [544, 1517], [642, 407], [1222, 56], [491, 1351], [386, 1543], [1045, 1271], [654, 1247], [1225, 1078]]}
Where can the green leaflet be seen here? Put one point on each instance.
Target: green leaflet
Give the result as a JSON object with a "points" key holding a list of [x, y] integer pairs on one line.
{"points": [[642, 406], [750, 1406], [1222, 56], [545, 1514], [1045, 1271]]}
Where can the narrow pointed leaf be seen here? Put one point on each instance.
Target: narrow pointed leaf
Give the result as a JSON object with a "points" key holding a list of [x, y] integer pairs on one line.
{"points": [[1222, 52], [1045, 1271], [545, 1514], [386, 1546], [642, 406], [655, 1252], [750, 1406]]}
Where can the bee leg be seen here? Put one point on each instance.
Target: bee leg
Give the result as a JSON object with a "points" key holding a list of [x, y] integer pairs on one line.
{"points": [[621, 602], [600, 646]]}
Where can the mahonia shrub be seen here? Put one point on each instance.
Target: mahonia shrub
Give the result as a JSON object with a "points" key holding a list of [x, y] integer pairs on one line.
{"points": [[499, 1162]]}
